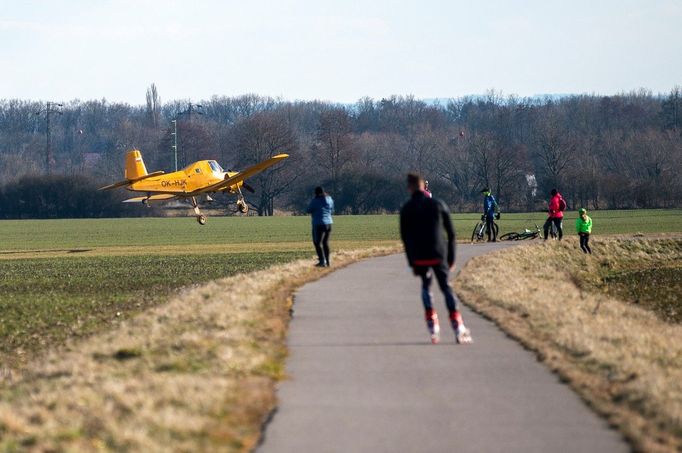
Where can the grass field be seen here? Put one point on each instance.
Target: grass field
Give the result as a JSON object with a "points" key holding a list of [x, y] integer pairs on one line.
{"points": [[45, 301], [654, 288], [88, 236]]}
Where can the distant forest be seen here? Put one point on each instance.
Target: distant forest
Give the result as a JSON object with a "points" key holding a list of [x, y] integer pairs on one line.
{"points": [[601, 152]]}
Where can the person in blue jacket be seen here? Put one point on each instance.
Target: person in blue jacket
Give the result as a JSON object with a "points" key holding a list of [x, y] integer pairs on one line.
{"points": [[320, 209], [489, 209]]}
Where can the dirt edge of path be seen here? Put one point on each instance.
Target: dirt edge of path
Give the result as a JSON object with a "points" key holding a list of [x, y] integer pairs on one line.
{"points": [[622, 360]]}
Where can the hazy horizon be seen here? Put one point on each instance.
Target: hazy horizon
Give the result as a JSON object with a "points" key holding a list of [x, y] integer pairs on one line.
{"points": [[430, 101]]}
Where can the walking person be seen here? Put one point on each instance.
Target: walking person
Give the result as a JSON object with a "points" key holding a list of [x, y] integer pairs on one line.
{"points": [[423, 222], [557, 206], [321, 208], [490, 207], [583, 225], [427, 192]]}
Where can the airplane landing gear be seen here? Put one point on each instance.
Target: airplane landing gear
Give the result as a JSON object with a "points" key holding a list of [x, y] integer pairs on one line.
{"points": [[242, 206], [200, 217], [241, 202]]}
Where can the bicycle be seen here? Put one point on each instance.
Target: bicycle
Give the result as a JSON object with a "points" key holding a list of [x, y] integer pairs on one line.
{"points": [[480, 230], [522, 236]]}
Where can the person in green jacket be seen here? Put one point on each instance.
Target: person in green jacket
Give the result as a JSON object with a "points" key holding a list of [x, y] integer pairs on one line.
{"points": [[583, 225]]}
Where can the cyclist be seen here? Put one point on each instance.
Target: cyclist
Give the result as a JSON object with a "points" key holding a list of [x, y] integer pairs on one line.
{"points": [[422, 221], [557, 206], [583, 225], [490, 208]]}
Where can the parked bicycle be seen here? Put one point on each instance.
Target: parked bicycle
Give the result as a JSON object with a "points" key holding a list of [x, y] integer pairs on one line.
{"points": [[523, 235], [480, 231], [527, 234]]}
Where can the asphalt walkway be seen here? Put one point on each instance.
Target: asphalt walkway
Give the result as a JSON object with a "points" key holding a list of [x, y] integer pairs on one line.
{"points": [[364, 377]]}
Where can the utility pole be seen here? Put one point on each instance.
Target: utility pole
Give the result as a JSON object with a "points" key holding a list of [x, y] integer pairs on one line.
{"points": [[51, 107], [175, 142]]}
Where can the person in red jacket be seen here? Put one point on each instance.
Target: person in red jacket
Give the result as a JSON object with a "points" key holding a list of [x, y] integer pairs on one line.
{"points": [[427, 192], [557, 205]]}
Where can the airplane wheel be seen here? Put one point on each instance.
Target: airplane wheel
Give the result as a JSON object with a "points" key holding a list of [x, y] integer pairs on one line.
{"points": [[201, 219]]}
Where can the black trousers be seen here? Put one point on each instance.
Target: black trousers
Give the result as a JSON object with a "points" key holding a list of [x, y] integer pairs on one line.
{"points": [[558, 224], [441, 272], [321, 235], [490, 227], [585, 242]]}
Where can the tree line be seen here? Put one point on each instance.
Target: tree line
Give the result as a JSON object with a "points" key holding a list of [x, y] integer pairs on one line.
{"points": [[622, 151]]}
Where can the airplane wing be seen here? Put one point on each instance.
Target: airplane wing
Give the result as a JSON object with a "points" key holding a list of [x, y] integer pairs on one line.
{"points": [[157, 197], [127, 182], [242, 175]]}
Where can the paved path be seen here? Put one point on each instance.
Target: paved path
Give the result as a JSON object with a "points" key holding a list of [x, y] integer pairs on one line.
{"points": [[365, 378]]}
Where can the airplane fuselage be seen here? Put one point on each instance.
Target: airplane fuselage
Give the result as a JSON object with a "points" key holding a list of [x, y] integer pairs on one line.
{"points": [[186, 181]]}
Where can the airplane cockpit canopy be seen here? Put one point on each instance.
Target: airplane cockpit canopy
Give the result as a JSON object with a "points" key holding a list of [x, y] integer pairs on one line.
{"points": [[215, 166]]}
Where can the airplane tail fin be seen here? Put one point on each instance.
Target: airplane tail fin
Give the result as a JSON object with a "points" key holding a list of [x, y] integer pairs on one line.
{"points": [[135, 168], [135, 171]]}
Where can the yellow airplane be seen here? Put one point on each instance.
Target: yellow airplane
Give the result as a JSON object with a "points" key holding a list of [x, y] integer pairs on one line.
{"points": [[202, 177]]}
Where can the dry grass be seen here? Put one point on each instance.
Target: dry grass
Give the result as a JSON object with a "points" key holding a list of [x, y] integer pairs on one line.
{"points": [[195, 374], [623, 360]]}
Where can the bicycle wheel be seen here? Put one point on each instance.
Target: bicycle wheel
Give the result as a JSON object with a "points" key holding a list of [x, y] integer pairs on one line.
{"points": [[496, 229], [475, 237], [509, 236]]}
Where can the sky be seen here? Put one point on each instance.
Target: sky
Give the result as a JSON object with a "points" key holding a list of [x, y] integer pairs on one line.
{"points": [[337, 51]]}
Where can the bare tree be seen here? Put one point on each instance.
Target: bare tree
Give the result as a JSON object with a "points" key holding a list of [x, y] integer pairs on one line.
{"points": [[602, 151], [424, 143], [333, 149], [257, 138], [671, 110], [482, 149], [554, 148], [509, 168], [153, 106], [456, 166]]}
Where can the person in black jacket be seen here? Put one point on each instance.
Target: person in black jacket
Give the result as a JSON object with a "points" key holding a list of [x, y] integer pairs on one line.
{"points": [[423, 221]]}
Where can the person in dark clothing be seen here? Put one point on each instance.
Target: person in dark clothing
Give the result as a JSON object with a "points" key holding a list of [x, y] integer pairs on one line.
{"points": [[423, 221], [489, 209], [321, 208], [556, 206]]}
